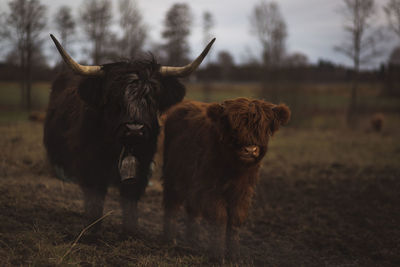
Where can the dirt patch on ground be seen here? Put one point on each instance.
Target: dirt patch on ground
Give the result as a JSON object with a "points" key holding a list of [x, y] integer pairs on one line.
{"points": [[324, 199]]}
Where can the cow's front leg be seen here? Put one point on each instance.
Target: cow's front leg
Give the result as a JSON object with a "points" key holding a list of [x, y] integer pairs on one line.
{"points": [[129, 210], [94, 196], [131, 191], [192, 225]]}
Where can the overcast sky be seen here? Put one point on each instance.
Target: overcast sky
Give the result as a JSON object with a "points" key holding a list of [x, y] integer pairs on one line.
{"points": [[314, 26]]}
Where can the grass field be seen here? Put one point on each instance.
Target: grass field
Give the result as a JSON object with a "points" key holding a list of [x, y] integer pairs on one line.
{"points": [[325, 198], [327, 195]]}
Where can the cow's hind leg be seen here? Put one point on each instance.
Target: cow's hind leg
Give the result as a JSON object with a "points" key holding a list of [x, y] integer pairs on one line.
{"points": [[192, 225]]}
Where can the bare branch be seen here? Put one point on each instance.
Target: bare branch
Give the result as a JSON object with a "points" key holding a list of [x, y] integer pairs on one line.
{"points": [[65, 24], [176, 31], [364, 39], [23, 28], [346, 51], [392, 10], [268, 25], [134, 30], [96, 18]]}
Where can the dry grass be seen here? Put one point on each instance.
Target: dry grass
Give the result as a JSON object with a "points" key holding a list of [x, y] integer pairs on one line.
{"points": [[326, 197]]}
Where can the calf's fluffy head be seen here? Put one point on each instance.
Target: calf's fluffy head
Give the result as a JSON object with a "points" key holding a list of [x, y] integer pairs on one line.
{"points": [[245, 125]]}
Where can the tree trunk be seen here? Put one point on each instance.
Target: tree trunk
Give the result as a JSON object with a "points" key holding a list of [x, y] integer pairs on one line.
{"points": [[22, 78], [29, 48], [352, 112], [29, 79]]}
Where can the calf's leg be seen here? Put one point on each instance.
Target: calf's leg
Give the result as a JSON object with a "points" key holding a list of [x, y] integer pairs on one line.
{"points": [[237, 213], [170, 227], [232, 240], [217, 234], [171, 208]]}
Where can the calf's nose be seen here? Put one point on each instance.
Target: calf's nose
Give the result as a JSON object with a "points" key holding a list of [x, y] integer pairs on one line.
{"points": [[253, 150]]}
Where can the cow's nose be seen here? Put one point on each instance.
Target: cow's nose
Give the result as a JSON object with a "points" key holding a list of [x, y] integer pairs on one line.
{"points": [[253, 150], [134, 129]]}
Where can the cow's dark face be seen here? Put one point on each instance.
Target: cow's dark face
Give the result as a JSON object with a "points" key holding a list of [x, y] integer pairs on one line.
{"points": [[131, 97], [245, 126]]}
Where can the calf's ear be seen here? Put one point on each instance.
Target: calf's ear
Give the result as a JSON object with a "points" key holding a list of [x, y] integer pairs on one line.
{"points": [[215, 111], [281, 116]]}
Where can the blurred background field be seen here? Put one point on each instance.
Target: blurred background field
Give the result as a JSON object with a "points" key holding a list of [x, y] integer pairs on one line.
{"points": [[313, 104]]}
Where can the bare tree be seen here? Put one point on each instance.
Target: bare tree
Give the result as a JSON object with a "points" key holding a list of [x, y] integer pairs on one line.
{"points": [[360, 44], [268, 25], [296, 59], [65, 24], [134, 30], [208, 24], [392, 84], [392, 10], [23, 28], [226, 63], [176, 31], [96, 17]]}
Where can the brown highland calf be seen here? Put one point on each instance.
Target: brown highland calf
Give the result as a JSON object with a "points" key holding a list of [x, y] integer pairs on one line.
{"points": [[212, 155]]}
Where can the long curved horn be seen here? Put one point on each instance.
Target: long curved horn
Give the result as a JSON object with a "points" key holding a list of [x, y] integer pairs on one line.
{"points": [[76, 67], [189, 68]]}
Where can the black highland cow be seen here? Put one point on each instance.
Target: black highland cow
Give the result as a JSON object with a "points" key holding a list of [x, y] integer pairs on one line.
{"points": [[101, 126]]}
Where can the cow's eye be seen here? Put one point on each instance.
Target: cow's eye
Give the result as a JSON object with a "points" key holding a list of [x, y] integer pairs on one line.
{"points": [[134, 81], [133, 78]]}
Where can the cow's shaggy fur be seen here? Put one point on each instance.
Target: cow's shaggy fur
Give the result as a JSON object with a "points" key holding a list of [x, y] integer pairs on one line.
{"points": [[212, 155], [85, 129]]}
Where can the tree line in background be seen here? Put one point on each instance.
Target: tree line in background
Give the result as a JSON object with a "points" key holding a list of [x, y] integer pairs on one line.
{"points": [[25, 27]]}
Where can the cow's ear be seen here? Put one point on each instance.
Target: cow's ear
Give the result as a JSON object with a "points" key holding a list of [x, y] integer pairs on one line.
{"points": [[90, 90], [172, 92], [281, 116], [215, 111]]}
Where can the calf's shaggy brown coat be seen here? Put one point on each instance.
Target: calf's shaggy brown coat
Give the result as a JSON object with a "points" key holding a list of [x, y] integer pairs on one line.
{"points": [[212, 155]]}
